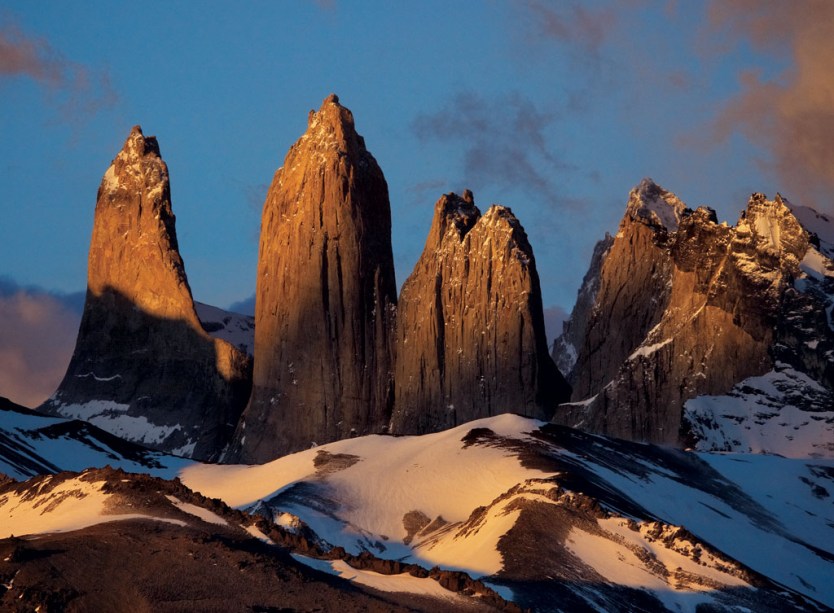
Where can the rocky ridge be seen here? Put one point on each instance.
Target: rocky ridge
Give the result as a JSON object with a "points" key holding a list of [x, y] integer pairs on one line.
{"points": [[684, 307], [470, 330], [326, 296], [143, 366]]}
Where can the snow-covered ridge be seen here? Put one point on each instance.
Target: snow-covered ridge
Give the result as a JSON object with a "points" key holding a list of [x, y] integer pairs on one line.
{"points": [[538, 511], [71, 505]]}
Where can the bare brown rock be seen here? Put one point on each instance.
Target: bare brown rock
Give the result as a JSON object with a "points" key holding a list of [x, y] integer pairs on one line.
{"points": [[470, 329], [326, 296], [685, 307], [143, 367]]}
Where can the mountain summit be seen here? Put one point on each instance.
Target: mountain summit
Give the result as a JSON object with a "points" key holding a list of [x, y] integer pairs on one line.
{"points": [[679, 310], [143, 367], [326, 296], [470, 329]]}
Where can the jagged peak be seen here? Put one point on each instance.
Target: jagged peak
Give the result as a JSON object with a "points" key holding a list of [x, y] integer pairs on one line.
{"points": [[137, 145], [455, 214], [651, 204], [332, 127], [138, 161], [500, 218]]}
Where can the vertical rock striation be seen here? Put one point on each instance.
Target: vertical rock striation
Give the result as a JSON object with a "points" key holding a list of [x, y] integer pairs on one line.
{"points": [[470, 329], [326, 296], [143, 367], [686, 307]]}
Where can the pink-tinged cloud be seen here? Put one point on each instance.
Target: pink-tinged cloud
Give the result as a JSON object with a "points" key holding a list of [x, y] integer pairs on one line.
{"points": [[81, 91], [32, 57], [37, 337], [790, 116]]}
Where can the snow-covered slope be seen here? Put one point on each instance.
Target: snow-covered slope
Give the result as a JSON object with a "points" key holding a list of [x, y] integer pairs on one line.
{"points": [[552, 518], [106, 540], [783, 412], [234, 328], [559, 519], [33, 444]]}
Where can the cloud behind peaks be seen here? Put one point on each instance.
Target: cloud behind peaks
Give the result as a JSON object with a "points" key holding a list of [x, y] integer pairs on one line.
{"points": [[503, 140], [37, 338], [790, 115]]}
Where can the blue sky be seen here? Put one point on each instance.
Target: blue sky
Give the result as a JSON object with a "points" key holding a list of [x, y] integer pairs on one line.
{"points": [[555, 109]]}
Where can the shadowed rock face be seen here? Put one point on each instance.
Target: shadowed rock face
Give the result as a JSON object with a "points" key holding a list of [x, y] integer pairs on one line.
{"points": [[143, 367], [470, 329], [684, 306], [326, 296]]}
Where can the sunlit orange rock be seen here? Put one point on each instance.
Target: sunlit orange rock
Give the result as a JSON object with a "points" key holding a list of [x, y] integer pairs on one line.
{"points": [[143, 367]]}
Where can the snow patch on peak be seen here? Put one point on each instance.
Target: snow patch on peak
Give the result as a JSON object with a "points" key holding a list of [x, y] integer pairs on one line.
{"points": [[818, 224], [648, 201]]}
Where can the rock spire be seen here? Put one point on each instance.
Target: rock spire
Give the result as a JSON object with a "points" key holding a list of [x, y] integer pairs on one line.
{"points": [[470, 329], [143, 367], [326, 296]]}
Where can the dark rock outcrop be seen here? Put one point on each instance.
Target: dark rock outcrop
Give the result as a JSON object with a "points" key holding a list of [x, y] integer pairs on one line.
{"points": [[684, 307], [470, 329], [573, 329], [326, 296], [143, 367]]}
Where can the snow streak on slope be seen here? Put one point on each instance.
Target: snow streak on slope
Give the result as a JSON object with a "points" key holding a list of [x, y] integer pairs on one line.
{"points": [[402, 583], [530, 506]]}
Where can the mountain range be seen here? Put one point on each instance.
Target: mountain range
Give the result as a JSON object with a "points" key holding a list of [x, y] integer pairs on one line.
{"points": [[349, 446]]}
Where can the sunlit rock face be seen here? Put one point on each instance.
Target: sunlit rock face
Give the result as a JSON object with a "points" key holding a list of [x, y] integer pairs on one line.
{"points": [[470, 329], [143, 367], [326, 296], [683, 306]]}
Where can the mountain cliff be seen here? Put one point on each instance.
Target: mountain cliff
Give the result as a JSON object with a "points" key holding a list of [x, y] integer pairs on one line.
{"points": [[684, 307], [326, 296], [143, 366], [470, 329]]}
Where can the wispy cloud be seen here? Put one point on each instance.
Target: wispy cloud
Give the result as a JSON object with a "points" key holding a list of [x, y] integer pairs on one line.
{"points": [[791, 115], [80, 90], [503, 141], [585, 29], [37, 337]]}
